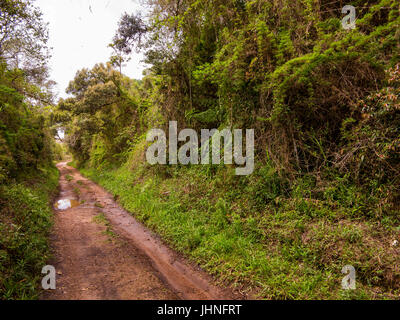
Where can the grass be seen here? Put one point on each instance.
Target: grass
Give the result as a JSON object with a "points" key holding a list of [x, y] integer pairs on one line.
{"points": [[73, 164], [25, 221], [77, 191], [102, 220], [257, 234]]}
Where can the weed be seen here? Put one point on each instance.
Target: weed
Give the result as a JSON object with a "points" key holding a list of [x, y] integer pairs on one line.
{"points": [[101, 219], [77, 191]]}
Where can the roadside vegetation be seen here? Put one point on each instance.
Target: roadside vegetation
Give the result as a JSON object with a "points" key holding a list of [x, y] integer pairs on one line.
{"points": [[25, 222], [292, 248], [325, 106], [28, 177], [324, 103]]}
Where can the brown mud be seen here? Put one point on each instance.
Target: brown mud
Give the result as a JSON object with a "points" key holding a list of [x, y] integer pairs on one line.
{"points": [[101, 252]]}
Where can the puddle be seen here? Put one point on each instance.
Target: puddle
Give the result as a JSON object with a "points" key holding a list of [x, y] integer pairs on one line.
{"points": [[66, 204]]}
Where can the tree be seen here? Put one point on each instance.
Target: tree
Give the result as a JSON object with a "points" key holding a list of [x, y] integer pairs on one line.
{"points": [[102, 111], [23, 43], [24, 89], [131, 30]]}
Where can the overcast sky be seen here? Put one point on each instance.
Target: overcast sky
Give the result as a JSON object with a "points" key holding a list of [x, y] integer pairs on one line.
{"points": [[80, 31]]}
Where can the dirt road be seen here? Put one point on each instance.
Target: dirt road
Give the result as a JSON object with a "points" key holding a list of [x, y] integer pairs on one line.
{"points": [[102, 252]]}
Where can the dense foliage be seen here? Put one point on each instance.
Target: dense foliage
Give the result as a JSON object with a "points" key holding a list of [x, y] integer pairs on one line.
{"points": [[288, 69], [26, 142], [25, 221], [28, 177], [102, 111], [324, 103]]}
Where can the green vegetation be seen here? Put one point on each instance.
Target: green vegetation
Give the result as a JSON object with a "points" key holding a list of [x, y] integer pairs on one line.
{"points": [[28, 178], [293, 249], [25, 221], [102, 220], [77, 191], [324, 103], [325, 106], [99, 205]]}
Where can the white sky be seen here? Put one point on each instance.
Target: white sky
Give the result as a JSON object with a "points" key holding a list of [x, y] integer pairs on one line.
{"points": [[80, 31]]}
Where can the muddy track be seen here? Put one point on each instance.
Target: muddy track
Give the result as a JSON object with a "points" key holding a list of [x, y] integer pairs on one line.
{"points": [[116, 257]]}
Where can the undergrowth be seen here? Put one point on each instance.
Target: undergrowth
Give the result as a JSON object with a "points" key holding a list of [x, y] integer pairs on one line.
{"points": [[287, 244], [25, 221]]}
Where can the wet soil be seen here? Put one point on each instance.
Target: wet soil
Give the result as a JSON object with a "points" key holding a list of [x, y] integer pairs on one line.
{"points": [[101, 252]]}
